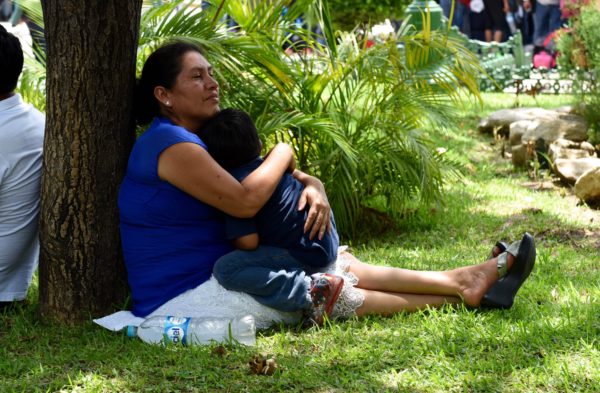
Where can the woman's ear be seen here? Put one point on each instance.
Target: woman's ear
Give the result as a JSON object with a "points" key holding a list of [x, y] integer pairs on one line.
{"points": [[162, 95]]}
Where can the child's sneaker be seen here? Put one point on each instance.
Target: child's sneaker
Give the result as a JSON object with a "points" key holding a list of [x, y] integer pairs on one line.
{"points": [[324, 291]]}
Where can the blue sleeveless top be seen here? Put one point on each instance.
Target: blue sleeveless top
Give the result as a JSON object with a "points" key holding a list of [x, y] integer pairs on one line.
{"points": [[170, 239]]}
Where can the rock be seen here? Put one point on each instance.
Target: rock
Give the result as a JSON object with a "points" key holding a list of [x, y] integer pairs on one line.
{"points": [[587, 187], [571, 109], [567, 109], [518, 128], [570, 127], [570, 170], [564, 148], [589, 147], [503, 118], [519, 155], [529, 151]]}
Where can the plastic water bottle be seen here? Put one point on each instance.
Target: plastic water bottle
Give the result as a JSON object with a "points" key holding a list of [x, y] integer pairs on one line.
{"points": [[189, 331]]}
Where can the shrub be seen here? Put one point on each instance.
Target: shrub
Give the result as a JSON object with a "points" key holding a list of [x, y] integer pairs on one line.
{"points": [[580, 49], [347, 14]]}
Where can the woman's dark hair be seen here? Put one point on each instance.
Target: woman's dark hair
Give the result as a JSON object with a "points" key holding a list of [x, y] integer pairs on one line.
{"points": [[231, 138], [11, 61], [161, 69]]}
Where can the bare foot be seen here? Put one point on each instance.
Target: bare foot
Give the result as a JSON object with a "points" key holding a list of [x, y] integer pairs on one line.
{"points": [[474, 281]]}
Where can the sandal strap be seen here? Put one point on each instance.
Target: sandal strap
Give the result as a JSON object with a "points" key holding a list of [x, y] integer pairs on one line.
{"points": [[513, 249], [502, 263]]}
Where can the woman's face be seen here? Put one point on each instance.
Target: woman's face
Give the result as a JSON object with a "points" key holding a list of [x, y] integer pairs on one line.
{"points": [[195, 96]]}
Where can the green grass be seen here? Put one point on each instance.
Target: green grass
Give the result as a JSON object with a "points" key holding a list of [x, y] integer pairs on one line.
{"points": [[548, 342]]}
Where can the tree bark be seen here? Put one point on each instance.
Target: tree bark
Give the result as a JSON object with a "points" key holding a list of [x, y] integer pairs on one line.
{"points": [[91, 52]]}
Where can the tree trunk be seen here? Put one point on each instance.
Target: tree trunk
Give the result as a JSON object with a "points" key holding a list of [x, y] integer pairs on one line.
{"points": [[91, 52]]}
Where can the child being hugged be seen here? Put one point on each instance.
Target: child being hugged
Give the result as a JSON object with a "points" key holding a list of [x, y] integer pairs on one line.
{"points": [[233, 142]]}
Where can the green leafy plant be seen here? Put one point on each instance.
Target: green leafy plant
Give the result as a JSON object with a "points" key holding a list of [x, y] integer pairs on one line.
{"points": [[348, 14], [579, 48], [32, 84], [354, 115]]}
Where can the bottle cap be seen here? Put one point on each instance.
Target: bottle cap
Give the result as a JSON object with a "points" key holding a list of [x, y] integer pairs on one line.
{"points": [[132, 331]]}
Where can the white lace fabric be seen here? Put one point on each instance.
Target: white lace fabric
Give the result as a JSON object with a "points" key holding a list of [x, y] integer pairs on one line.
{"points": [[350, 298]]}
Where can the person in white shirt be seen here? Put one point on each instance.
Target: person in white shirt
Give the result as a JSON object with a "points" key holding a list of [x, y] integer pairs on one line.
{"points": [[21, 140]]}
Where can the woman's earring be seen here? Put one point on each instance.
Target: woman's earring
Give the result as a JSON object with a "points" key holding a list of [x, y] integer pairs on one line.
{"points": [[168, 103]]}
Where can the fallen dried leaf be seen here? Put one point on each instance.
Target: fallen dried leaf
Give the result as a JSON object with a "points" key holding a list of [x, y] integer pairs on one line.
{"points": [[262, 365], [219, 351]]}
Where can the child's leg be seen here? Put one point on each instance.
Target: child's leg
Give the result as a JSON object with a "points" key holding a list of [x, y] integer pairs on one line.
{"points": [[271, 275]]}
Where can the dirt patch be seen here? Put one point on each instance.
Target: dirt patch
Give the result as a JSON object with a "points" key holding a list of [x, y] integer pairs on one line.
{"points": [[543, 185], [578, 238]]}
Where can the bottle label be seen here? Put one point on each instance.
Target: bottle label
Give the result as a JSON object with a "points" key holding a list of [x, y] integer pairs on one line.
{"points": [[176, 330]]}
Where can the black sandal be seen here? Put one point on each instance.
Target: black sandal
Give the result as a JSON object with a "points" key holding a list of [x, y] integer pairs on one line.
{"points": [[502, 293]]}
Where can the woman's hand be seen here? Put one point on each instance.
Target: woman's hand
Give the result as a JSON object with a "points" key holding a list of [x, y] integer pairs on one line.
{"points": [[319, 213]]}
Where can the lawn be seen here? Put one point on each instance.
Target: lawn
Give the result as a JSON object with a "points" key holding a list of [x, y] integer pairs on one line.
{"points": [[549, 340]]}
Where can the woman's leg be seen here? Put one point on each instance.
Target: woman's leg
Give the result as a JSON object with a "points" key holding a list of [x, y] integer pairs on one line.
{"points": [[388, 303], [467, 283]]}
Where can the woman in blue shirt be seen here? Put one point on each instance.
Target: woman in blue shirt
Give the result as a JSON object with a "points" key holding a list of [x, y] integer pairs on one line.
{"points": [[173, 232], [169, 202]]}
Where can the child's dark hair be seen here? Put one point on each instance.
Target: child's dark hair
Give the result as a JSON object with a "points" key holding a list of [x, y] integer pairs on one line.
{"points": [[160, 69], [231, 138], [11, 61]]}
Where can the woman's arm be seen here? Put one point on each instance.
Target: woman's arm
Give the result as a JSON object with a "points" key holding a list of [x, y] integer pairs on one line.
{"points": [[319, 213], [190, 168]]}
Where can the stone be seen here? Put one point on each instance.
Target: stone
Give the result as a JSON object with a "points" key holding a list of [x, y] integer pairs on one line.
{"points": [[568, 109], [502, 119], [518, 128], [569, 170], [564, 148], [571, 109], [520, 155], [587, 187], [571, 127]]}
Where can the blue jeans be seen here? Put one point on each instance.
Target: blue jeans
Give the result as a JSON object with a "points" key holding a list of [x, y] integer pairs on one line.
{"points": [[546, 19], [269, 274]]}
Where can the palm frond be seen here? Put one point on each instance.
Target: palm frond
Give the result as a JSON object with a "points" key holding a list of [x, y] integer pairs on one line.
{"points": [[33, 10], [32, 84], [354, 115]]}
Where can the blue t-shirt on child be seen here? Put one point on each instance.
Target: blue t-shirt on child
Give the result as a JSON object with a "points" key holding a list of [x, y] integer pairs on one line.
{"points": [[280, 224]]}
